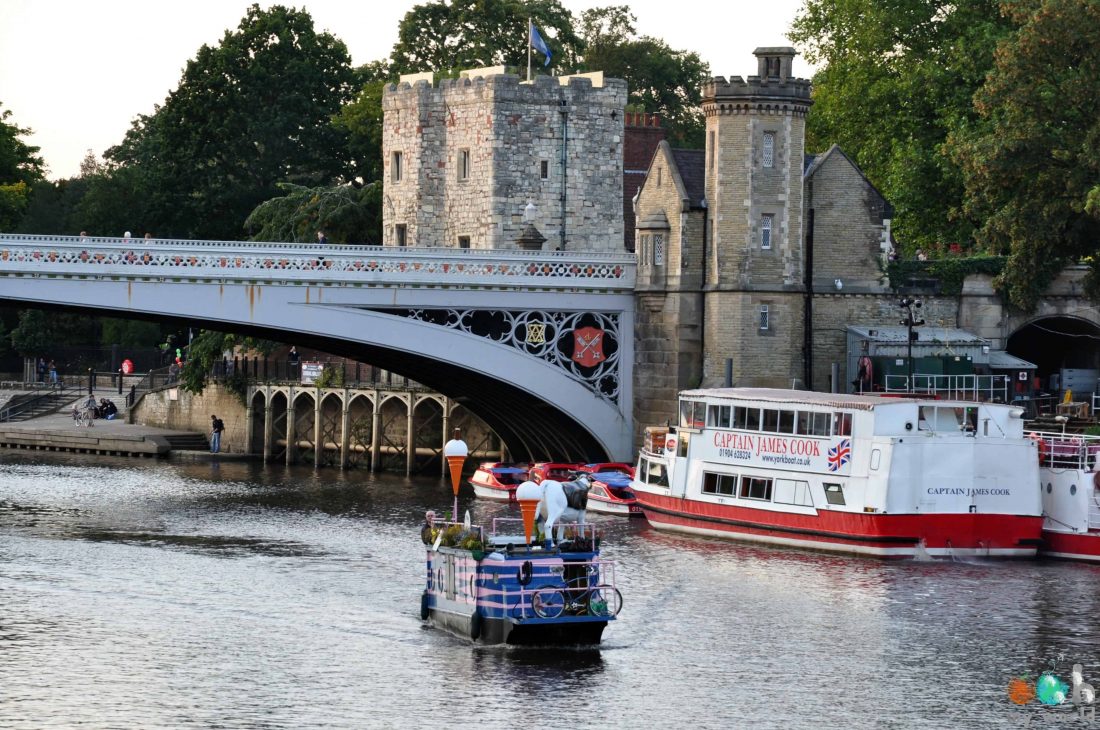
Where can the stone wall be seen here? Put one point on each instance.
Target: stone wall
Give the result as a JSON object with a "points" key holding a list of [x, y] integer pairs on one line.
{"points": [[178, 409], [473, 154]]}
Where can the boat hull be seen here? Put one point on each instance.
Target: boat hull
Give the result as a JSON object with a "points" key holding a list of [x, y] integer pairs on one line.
{"points": [[623, 509], [497, 494], [1071, 546], [882, 535], [490, 630]]}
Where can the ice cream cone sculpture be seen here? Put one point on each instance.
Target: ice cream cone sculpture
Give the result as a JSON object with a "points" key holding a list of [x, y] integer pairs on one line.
{"points": [[456, 452], [528, 495]]}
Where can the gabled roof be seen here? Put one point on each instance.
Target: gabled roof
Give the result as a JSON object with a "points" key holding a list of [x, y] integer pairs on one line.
{"points": [[813, 163], [690, 165]]}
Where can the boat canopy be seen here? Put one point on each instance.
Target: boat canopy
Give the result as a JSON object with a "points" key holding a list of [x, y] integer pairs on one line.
{"points": [[507, 470]]}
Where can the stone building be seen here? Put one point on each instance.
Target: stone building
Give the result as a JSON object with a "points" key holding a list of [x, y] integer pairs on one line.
{"points": [[752, 255], [642, 133], [464, 157]]}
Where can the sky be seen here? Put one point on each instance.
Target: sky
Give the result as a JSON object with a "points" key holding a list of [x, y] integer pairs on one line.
{"points": [[78, 72]]}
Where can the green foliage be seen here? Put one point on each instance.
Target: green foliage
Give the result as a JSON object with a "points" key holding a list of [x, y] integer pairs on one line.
{"points": [[441, 35], [949, 272], [249, 113], [330, 377], [895, 79], [207, 348], [52, 207], [1031, 162], [346, 213], [130, 333], [13, 204], [19, 162], [659, 79], [32, 337], [361, 122]]}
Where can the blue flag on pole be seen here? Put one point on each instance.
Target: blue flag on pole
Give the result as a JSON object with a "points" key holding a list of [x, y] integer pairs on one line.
{"points": [[540, 45]]}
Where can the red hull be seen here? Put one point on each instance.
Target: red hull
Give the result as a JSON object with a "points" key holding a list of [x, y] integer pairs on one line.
{"points": [[852, 532], [1071, 546]]}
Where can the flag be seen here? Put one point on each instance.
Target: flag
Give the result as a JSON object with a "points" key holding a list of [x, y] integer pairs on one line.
{"points": [[540, 45]]}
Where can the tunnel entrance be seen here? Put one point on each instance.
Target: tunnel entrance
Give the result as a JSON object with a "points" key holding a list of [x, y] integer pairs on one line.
{"points": [[1066, 351]]}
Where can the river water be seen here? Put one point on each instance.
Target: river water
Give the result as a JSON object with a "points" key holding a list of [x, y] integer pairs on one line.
{"points": [[163, 595]]}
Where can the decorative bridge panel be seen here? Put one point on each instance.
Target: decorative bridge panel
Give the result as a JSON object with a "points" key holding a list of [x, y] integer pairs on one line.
{"points": [[339, 265], [583, 344]]}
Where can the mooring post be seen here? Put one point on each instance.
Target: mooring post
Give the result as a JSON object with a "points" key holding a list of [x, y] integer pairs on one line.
{"points": [[410, 437]]}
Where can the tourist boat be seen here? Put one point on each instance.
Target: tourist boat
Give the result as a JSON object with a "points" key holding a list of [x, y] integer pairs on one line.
{"points": [[1070, 487], [845, 473], [609, 492], [495, 588], [498, 480]]}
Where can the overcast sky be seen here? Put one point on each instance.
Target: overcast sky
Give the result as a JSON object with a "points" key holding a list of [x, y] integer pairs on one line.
{"points": [[77, 72]]}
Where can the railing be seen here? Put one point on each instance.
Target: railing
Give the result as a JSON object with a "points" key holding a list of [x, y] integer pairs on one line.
{"points": [[313, 263], [349, 372], [9, 412], [953, 387], [573, 530], [1066, 451]]}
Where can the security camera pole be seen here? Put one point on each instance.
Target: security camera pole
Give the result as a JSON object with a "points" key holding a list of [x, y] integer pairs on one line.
{"points": [[908, 304]]}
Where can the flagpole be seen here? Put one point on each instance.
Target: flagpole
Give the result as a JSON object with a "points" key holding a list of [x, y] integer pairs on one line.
{"points": [[530, 23]]}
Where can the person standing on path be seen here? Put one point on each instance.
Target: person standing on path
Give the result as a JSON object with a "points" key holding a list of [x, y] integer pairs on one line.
{"points": [[216, 428], [321, 237], [53, 372]]}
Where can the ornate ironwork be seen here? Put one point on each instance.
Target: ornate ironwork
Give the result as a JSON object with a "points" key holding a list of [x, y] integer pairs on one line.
{"points": [[585, 345]]}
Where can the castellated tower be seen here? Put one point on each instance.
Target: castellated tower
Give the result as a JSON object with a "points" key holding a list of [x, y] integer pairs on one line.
{"points": [[462, 160], [754, 283]]}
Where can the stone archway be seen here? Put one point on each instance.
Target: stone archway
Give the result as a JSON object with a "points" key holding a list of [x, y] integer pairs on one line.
{"points": [[1064, 346]]}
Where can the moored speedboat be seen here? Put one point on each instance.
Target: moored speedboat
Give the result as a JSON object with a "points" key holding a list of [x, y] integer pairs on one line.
{"points": [[610, 491], [845, 473], [494, 587], [1070, 487], [498, 480], [558, 471]]}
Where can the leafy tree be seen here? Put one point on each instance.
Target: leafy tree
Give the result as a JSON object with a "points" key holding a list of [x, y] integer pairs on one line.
{"points": [[208, 347], [249, 113], [361, 122], [442, 35], [20, 168], [1031, 163], [895, 79], [659, 79], [130, 333], [346, 213], [52, 207], [32, 337]]}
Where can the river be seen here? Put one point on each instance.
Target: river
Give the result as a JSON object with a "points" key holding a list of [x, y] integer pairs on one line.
{"points": [[169, 595]]}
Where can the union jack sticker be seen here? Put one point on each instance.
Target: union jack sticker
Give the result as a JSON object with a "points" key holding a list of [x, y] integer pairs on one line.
{"points": [[840, 454]]}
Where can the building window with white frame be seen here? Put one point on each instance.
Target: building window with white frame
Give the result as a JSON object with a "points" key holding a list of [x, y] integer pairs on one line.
{"points": [[396, 158], [464, 164], [765, 320], [658, 249], [766, 231], [769, 149]]}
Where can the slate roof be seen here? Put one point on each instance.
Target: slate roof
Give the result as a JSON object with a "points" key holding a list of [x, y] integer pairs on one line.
{"points": [[690, 165]]}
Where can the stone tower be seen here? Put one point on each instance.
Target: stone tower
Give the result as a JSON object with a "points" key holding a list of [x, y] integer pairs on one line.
{"points": [[754, 280], [463, 158]]}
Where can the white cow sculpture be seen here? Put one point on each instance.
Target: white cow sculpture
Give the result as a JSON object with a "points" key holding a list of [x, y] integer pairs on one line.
{"points": [[554, 507]]}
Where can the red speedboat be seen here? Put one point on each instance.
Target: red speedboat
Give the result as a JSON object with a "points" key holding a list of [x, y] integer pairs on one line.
{"points": [[498, 480], [610, 492], [558, 471]]}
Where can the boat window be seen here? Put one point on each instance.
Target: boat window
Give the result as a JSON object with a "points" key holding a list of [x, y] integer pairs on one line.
{"points": [[724, 484], [756, 488], [653, 472], [746, 418], [786, 422], [876, 458], [771, 421], [842, 424], [834, 493], [692, 413], [813, 424], [719, 416], [967, 418], [792, 491], [682, 447]]}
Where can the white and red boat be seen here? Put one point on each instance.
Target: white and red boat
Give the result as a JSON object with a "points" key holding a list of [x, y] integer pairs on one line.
{"points": [[558, 471], [1070, 486], [498, 481], [610, 491], [845, 473]]}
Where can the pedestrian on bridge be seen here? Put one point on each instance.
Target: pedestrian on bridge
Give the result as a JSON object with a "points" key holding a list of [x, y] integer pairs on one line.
{"points": [[321, 237], [216, 428]]}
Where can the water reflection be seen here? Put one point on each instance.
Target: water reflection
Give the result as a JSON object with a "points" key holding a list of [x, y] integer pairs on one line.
{"points": [[153, 594]]}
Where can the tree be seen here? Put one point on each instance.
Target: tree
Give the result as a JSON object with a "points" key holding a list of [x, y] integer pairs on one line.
{"points": [[659, 79], [895, 79], [20, 168], [442, 35], [249, 113], [1031, 163], [32, 337], [346, 213]]}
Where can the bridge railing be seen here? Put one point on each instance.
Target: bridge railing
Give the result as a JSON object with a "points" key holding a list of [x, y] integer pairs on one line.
{"points": [[314, 263]]}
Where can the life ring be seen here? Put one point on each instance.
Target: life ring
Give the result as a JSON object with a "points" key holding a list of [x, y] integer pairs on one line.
{"points": [[670, 443], [424, 609], [475, 626]]}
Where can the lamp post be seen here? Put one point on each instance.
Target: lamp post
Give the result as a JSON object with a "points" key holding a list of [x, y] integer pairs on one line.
{"points": [[908, 304]]}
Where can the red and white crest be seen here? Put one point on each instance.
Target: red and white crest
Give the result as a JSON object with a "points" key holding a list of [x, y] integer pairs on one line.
{"points": [[588, 346]]}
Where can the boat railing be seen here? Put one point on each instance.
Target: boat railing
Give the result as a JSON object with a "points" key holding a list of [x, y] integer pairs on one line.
{"points": [[952, 387], [1067, 451], [507, 526], [595, 575]]}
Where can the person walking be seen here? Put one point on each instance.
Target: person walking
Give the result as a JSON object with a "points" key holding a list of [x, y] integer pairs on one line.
{"points": [[321, 237], [216, 428], [53, 372]]}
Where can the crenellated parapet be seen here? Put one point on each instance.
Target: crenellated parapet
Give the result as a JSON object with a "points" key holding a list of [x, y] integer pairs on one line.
{"points": [[772, 90]]}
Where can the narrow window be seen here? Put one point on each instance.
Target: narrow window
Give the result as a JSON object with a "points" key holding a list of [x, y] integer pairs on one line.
{"points": [[769, 149], [658, 249], [395, 167], [764, 322], [766, 232], [463, 241], [400, 233], [544, 170], [710, 150], [464, 164], [658, 177]]}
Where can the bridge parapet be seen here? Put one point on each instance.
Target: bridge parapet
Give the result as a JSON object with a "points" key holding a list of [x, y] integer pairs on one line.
{"points": [[315, 264]]}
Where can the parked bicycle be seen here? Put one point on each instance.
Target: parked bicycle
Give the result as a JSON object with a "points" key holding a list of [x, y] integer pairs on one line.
{"points": [[578, 598]]}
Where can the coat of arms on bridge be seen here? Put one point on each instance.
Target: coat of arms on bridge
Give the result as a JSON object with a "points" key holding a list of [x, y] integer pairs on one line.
{"points": [[583, 344]]}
